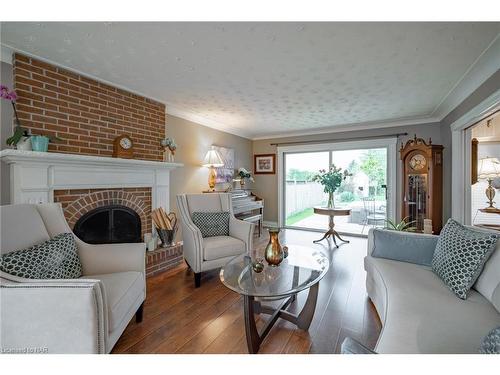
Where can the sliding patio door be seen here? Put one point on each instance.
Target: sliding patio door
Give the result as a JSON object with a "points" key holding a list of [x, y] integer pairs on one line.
{"points": [[301, 193], [368, 192]]}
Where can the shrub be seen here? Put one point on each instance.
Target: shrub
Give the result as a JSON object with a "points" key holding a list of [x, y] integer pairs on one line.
{"points": [[347, 196]]}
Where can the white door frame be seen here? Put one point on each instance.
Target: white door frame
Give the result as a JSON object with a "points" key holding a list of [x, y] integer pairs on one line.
{"points": [[389, 143], [461, 157]]}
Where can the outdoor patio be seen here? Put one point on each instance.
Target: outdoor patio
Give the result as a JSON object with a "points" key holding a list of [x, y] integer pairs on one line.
{"points": [[356, 223]]}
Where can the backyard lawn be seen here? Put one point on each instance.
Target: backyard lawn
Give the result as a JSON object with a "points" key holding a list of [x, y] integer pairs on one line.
{"points": [[299, 216]]}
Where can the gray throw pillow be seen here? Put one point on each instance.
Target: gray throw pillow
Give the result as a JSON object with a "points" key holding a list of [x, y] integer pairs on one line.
{"points": [[460, 255], [212, 224], [491, 342], [56, 258], [404, 246]]}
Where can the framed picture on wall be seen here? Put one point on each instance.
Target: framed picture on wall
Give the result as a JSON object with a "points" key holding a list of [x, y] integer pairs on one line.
{"points": [[226, 172], [264, 164]]}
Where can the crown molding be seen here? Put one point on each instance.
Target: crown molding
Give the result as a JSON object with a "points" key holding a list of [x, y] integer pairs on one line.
{"points": [[481, 69], [354, 126]]}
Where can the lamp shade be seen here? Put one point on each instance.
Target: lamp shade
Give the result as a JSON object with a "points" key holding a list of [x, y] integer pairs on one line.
{"points": [[213, 159], [488, 168]]}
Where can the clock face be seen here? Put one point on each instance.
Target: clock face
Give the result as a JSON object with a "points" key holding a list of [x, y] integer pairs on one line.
{"points": [[418, 162], [125, 143]]}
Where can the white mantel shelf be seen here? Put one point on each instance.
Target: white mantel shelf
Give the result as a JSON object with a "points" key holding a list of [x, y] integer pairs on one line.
{"points": [[12, 156], [34, 176]]}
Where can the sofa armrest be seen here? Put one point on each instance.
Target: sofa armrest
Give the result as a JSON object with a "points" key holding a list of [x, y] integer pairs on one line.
{"points": [[242, 230], [53, 316], [402, 246], [111, 258], [192, 246]]}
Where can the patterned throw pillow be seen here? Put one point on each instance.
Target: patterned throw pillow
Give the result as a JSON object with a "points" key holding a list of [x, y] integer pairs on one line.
{"points": [[460, 255], [491, 342], [56, 258], [212, 224]]}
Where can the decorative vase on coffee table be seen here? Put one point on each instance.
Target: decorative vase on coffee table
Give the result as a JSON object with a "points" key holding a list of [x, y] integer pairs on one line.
{"points": [[274, 252]]}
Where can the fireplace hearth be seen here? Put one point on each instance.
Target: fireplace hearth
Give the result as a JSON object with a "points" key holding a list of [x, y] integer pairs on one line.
{"points": [[109, 224]]}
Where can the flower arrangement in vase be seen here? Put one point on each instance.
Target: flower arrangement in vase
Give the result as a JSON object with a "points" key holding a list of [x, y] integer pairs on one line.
{"points": [[244, 175], [331, 180], [22, 139], [169, 146]]}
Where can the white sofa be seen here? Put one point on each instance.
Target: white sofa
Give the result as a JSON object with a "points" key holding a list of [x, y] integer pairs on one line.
{"points": [[204, 254], [419, 313], [85, 315]]}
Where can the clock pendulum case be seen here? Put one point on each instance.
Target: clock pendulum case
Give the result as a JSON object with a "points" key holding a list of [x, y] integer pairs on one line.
{"points": [[422, 183], [123, 147]]}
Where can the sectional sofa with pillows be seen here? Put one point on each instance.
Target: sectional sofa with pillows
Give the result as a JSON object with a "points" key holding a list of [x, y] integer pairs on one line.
{"points": [[435, 294]]}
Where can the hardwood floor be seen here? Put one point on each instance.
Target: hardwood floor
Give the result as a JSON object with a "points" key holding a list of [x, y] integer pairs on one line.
{"points": [[181, 319]]}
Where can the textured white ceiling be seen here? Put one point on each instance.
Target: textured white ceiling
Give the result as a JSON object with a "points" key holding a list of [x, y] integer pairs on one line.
{"points": [[258, 79]]}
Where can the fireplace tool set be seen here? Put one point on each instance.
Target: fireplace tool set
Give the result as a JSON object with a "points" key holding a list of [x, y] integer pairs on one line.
{"points": [[166, 226]]}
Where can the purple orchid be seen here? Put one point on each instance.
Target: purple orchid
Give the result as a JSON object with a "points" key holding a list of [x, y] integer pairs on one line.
{"points": [[4, 92], [7, 94], [11, 95]]}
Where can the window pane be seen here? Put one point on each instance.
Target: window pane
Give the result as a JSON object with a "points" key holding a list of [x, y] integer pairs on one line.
{"points": [[364, 192], [301, 193]]}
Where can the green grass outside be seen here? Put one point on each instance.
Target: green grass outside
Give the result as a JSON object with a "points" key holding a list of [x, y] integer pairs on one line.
{"points": [[299, 216]]}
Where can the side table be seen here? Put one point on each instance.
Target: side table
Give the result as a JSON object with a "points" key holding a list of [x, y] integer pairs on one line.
{"points": [[331, 213]]}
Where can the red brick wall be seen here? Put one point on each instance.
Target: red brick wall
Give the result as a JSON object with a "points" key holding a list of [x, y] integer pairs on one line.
{"points": [[77, 202], [88, 115], [163, 259]]}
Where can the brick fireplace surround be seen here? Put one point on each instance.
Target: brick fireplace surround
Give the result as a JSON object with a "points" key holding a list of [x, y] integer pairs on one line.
{"points": [[77, 202], [88, 115]]}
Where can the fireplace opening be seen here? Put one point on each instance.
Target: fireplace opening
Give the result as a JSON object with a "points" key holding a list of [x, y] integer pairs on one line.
{"points": [[109, 224]]}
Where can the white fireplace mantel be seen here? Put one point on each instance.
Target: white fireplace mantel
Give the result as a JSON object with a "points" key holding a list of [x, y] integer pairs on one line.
{"points": [[35, 175]]}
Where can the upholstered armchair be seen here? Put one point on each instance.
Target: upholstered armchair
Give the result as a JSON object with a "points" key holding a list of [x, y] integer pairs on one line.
{"points": [[84, 315], [204, 254]]}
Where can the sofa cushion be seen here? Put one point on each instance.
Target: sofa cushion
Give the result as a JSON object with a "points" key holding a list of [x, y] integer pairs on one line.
{"points": [[122, 289], [221, 247], [491, 343], [53, 259], [212, 224], [23, 224], [460, 255], [419, 313], [488, 283], [403, 246]]}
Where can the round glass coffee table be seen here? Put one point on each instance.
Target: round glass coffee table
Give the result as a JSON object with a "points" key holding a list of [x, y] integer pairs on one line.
{"points": [[302, 269]]}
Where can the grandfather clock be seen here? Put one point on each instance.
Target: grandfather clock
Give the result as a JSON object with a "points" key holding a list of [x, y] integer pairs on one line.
{"points": [[422, 183]]}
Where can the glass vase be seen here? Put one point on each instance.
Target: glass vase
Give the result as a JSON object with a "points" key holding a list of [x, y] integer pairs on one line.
{"points": [[331, 203]]}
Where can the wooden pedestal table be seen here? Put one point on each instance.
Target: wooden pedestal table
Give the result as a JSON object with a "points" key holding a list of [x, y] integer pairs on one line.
{"points": [[331, 213], [302, 269]]}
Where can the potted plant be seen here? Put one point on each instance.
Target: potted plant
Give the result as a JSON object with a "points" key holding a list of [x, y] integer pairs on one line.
{"points": [[21, 136], [331, 180], [22, 139], [169, 146], [402, 226], [244, 175]]}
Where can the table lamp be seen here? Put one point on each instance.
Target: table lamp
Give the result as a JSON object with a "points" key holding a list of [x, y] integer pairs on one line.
{"points": [[212, 160], [489, 168]]}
